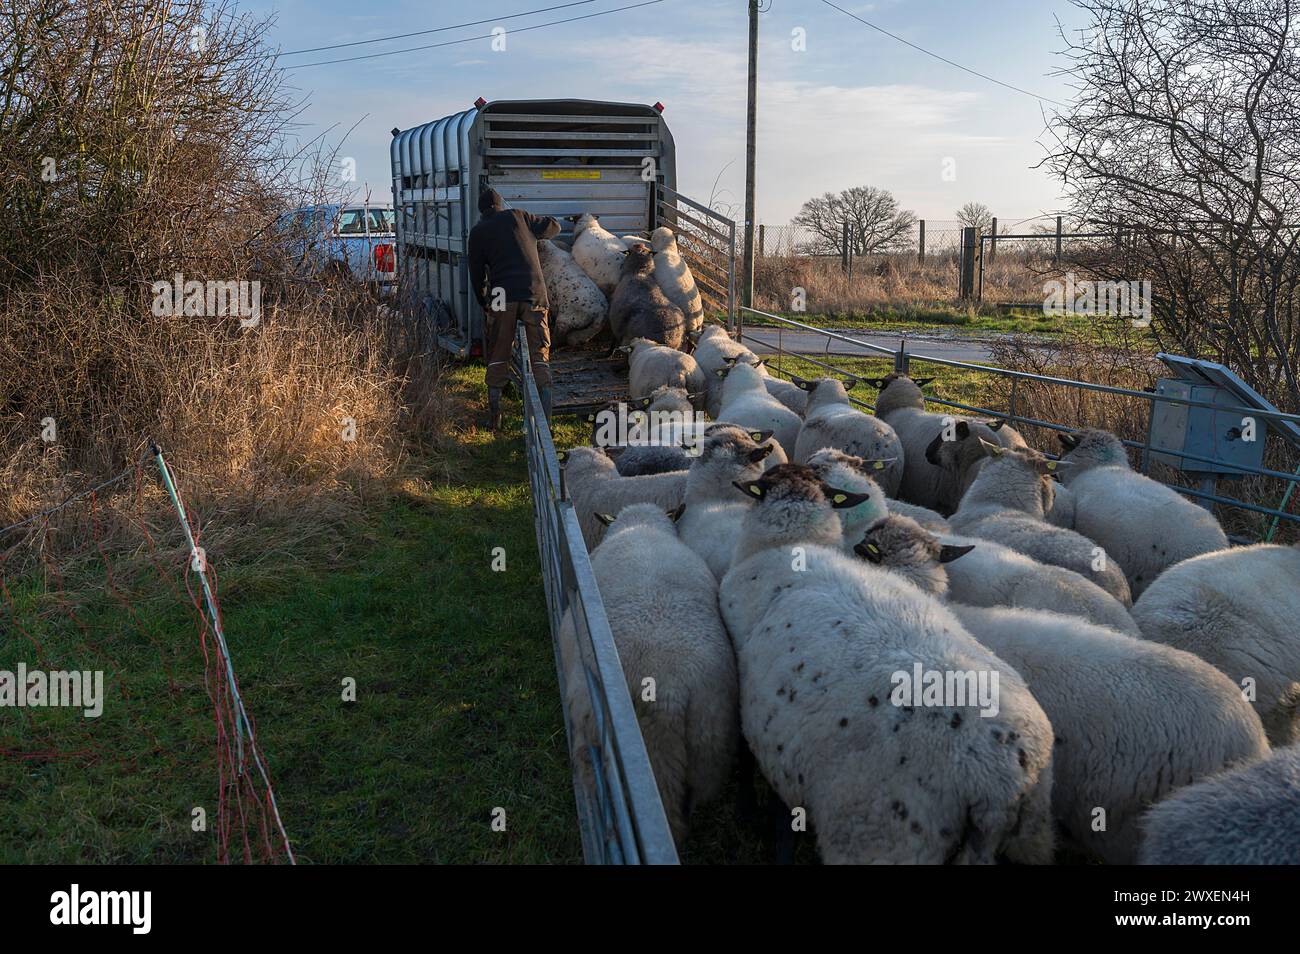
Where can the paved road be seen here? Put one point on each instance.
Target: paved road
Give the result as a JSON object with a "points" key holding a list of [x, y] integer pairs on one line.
{"points": [[975, 350]]}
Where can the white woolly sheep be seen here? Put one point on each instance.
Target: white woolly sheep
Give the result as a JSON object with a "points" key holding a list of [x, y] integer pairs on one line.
{"points": [[745, 401], [831, 421], [994, 575], [925, 517], [826, 647], [651, 365], [638, 309], [901, 405], [638, 460], [1007, 503], [675, 278], [1143, 524], [1239, 610], [714, 510], [906, 549], [714, 351], [792, 396], [666, 399], [1133, 720], [661, 603], [578, 306], [961, 453], [593, 484], [598, 252], [838, 469], [1249, 816]]}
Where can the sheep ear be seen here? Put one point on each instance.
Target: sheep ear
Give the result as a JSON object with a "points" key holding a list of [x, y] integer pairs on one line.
{"points": [[613, 452], [624, 349], [963, 430], [760, 436], [752, 488], [760, 453], [921, 382], [761, 363], [869, 552], [591, 418], [878, 383], [850, 383], [1068, 441], [732, 360], [881, 463], [992, 450], [997, 425], [641, 403], [948, 553], [1052, 468], [675, 515], [842, 499], [800, 383], [721, 372], [605, 518], [562, 456]]}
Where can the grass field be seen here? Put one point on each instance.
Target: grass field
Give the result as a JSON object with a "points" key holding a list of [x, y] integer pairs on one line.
{"points": [[985, 320]]}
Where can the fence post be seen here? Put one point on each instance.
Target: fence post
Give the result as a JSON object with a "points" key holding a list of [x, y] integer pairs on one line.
{"points": [[762, 235], [993, 240], [921, 243], [966, 267], [844, 249], [1057, 260]]}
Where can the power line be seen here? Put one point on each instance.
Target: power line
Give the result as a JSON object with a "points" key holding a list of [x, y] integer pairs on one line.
{"points": [[471, 39], [458, 26], [944, 59]]}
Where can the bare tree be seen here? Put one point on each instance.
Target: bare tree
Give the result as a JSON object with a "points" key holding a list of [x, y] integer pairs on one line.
{"points": [[1184, 139], [975, 215], [876, 223]]}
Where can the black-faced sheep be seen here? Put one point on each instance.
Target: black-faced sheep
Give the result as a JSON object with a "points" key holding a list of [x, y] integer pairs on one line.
{"points": [[828, 650], [1143, 524]]}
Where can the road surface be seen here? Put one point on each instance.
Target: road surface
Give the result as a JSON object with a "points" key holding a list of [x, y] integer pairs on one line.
{"points": [[764, 340]]}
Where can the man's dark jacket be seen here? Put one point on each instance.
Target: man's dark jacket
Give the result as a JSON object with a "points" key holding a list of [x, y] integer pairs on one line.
{"points": [[504, 245]]}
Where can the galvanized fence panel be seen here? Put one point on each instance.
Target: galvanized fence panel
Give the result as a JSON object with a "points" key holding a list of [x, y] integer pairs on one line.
{"points": [[707, 240], [621, 818], [902, 360]]}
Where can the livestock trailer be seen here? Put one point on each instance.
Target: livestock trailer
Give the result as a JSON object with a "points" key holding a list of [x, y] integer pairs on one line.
{"points": [[556, 157]]}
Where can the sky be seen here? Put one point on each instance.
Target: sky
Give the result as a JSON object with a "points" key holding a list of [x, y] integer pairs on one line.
{"points": [[852, 107]]}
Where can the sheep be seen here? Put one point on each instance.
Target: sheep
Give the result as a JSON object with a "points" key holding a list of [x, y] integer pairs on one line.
{"points": [[592, 483], [598, 252], [668, 399], [745, 401], [639, 459], [651, 365], [1007, 503], [994, 575], [638, 309], [792, 396], [1061, 513], [715, 350], [824, 645], [661, 603], [578, 306], [901, 405], [838, 469], [928, 519], [962, 454], [674, 277], [1143, 524], [1248, 816], [831, 421], [1133, 720], [902, 546], [713, 514], [1239, 610]]}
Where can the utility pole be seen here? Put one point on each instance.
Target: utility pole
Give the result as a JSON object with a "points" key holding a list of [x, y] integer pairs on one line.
{"points": [[747, 280]]}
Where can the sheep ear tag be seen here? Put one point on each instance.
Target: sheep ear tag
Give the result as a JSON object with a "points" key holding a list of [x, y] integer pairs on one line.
{"points": [[843, 500], [922, 382], [758, 437], [562, 457], [751, 489], [869, 552], [675, 515], [878, 464], [605, 518], [720, 372]]}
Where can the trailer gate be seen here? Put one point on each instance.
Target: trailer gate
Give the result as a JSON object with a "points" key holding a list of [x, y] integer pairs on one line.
{"points": [[619, 812]]}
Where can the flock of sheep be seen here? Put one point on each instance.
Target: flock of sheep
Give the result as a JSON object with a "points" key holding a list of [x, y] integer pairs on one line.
{"points": [[638, 288], [936, 643]]}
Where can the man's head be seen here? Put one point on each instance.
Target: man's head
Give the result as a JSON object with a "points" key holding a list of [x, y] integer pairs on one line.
{"points": [[489, 201]]}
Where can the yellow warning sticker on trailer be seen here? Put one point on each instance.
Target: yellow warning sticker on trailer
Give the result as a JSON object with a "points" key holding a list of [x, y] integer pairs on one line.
{"points": [[571, 174]]}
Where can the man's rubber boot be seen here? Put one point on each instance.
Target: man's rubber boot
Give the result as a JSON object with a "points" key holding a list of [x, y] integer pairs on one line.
{"points": [[494, 408], [545, 395]]}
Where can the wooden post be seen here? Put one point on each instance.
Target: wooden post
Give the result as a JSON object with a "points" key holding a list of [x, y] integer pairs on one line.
{"points": [[844, 249], [751, 151], [921, 243], [993, 240], [966, 269], [1057, 260], [762, 235]]}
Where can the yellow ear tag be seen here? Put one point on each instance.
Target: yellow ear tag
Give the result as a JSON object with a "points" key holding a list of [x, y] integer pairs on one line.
{"points": [[840, 498], [756, 490], [873, 548], [1051, 465], [756, 435], [880, 465]]}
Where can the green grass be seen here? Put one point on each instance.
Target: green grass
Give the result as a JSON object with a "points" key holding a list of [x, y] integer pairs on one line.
{"points": [[939, 319], [457, 710]]}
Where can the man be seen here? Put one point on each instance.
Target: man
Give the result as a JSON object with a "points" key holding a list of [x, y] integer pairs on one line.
{"points": [[503, 250]]}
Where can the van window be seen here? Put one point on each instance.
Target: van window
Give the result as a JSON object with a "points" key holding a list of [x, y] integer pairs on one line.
{"points": [[352, 222], [381, 220]]}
